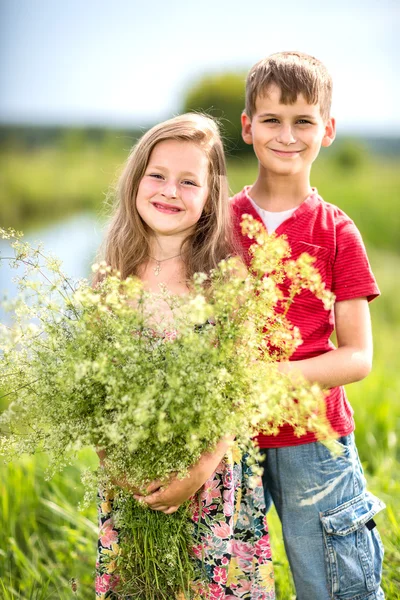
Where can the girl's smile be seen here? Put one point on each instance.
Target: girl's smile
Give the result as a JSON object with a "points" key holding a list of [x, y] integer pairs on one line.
{"points": [[174, 189], [166, 208]]}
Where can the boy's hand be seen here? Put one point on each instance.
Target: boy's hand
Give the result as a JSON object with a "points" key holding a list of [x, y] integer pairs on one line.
{"points": [[351, 361]]}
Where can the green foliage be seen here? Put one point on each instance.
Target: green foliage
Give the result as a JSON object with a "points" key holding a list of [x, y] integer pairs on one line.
{"points": [[42, 185], [369, 195], [222, 96], [92, 367], [349, 155], [44, 541]]}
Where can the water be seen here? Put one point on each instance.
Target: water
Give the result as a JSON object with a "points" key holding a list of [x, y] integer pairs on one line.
{"points": [[74, 241]]}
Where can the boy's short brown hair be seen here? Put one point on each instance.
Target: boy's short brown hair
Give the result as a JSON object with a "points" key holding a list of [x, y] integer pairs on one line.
{"points": [[294, 73]]}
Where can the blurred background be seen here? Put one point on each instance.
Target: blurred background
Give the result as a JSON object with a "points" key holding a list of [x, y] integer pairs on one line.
{"points": [[79, 83]]}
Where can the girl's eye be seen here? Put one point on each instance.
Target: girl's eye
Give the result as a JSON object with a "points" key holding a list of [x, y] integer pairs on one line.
{"points": [[156, 175], [189, 182]]}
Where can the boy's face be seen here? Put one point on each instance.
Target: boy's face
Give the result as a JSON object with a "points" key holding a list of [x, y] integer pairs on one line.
{"points": [[286, 137]]}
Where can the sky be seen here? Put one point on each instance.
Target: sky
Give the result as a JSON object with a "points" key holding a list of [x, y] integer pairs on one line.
{"points": [[125, 63]]}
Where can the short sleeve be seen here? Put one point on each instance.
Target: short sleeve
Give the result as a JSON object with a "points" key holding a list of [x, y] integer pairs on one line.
{"points": [[352, 274]]}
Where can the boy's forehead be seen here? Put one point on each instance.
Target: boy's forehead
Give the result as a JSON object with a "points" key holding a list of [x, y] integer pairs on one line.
{"points": [[270, 102]]}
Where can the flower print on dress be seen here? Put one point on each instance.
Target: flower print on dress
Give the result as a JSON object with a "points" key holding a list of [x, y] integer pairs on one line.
{"points": [[108, 535], [230, 538], [263, 548], [104, 583], [210, 491], [221, 529]]}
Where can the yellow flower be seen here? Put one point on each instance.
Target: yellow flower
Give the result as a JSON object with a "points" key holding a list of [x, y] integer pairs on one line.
{"points": [[105, 507], [266, 572], [237, 507], [110, 568], [111, 552], [109, 495], [234, 572], [236, 454], [115, 548]]}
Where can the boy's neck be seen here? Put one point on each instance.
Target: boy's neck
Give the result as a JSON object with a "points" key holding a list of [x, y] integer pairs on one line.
{"points": [[277, 193]]}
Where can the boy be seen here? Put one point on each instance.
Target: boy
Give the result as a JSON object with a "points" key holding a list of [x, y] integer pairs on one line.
{"points": [[331, 541]]}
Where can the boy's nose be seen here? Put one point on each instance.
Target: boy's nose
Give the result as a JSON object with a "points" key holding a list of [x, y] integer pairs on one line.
{"points": [[286, 136], [169, 190]]}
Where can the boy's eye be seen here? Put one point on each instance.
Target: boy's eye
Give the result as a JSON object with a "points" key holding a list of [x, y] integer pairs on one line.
{"points": [[271, 121], [303, 121]]}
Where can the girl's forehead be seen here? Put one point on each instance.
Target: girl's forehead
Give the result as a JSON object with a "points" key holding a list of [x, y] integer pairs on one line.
{"points": [[184, 154]]}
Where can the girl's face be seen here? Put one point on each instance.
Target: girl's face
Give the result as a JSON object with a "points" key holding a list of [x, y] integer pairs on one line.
{"points": [[174, 188]]}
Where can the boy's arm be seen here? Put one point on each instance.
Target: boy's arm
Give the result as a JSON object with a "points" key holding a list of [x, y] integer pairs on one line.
{"points": [[352, 359]]}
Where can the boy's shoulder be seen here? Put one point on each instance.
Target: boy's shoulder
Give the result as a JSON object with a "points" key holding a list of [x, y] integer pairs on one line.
{"points": [[314, 215], [327, 233]]}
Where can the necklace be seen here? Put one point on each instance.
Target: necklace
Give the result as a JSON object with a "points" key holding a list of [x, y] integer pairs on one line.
{"points": [[157, 268]]}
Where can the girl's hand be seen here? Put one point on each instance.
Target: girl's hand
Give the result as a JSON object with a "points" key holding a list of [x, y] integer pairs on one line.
{"points": [[168, 498]]}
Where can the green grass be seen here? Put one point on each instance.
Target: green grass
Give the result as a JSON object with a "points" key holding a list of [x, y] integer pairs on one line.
{"points": [[44, 540], [49, 183]]}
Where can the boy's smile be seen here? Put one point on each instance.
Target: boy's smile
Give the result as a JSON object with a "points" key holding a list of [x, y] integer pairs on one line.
{"points": [[286, 137]]}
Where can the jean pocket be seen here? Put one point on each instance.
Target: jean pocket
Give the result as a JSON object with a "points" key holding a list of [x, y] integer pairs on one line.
{"points": [[353, 547]]}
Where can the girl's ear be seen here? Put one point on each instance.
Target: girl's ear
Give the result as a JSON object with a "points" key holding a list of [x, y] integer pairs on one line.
{"points": [[330, 132], [247, 134]]}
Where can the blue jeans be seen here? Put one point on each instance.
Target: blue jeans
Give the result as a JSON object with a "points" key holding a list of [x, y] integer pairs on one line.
{"points": [[332, 544]]}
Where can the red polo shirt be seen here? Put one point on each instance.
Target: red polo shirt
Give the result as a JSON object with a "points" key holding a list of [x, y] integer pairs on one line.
{"points": [[327, 233]]}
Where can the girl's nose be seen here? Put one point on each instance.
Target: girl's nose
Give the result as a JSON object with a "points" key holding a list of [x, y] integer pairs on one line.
{"points": [[286, 136], [169, 190]]}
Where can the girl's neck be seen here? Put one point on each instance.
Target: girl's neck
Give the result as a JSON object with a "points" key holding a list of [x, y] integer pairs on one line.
{"points": [[164, 267], [165, 247], [169, 275]]}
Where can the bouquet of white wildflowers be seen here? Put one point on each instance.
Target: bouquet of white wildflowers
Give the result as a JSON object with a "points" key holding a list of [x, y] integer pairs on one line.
{"points": [[86, 367]]}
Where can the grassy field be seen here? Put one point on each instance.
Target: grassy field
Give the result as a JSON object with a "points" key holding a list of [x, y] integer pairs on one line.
{"points": [[45, 542]]}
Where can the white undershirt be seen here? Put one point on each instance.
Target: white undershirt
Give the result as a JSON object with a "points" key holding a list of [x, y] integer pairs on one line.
{"points": [[272, 220]]}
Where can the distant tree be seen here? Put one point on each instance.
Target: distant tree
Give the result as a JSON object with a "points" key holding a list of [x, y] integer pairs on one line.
{"points": [[221, 95], [349, 154]]}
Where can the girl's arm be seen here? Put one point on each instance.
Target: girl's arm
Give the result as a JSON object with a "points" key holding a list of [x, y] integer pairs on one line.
{"points": [[352, 359], [168, 499]]}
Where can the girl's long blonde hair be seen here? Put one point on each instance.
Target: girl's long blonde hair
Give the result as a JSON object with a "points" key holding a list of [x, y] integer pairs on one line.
{"points": [[127, 245]]}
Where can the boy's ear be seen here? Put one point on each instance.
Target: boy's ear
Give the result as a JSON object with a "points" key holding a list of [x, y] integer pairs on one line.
{"points": [[247, 134], [330, 132]]}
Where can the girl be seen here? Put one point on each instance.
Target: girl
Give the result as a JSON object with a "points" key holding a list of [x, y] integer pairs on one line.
{"points": [[172, 219]]}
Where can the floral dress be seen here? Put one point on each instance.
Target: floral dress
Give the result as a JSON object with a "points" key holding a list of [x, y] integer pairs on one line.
{"points": [[231, 536]]}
